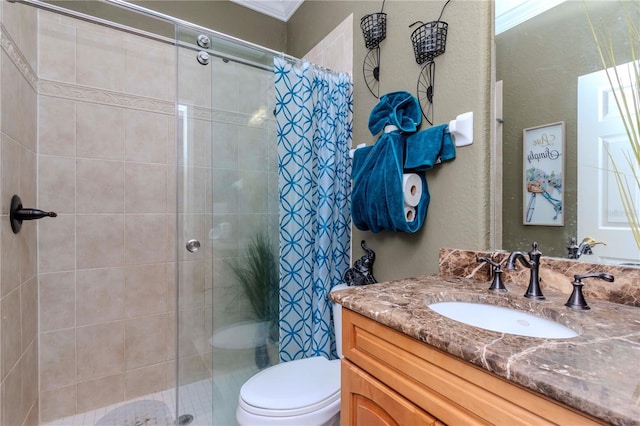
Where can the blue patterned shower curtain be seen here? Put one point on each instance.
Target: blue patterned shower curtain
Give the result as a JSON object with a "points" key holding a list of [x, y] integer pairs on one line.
{"points": [[314, 111]]}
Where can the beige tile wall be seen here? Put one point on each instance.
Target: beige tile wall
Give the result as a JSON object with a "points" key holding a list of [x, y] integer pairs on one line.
{"points": [[335, 51], [104, 271], [18, 274], [107, 263]]}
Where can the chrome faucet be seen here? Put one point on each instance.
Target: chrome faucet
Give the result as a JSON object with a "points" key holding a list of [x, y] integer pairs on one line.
{"points": [[533, 291], [575, 251]]}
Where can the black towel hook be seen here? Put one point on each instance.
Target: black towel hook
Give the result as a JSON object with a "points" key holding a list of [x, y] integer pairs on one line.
{"points": [[19, 213]]}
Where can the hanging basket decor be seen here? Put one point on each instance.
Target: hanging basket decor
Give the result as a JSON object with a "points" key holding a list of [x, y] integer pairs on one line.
{"points": [[374, 29], [429, 40]]}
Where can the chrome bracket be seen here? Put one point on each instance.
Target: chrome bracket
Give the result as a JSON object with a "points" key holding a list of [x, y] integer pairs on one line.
{"points": [[203, 41], [203, 58]]}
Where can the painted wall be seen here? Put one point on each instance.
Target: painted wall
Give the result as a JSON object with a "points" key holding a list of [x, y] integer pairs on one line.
{"points": [[18, 258], [459, 214], [228, 18], [220, 15], [539, 62]]}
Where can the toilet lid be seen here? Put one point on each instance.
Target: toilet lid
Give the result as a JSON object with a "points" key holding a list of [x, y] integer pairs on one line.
{"points": [[294, 385]]}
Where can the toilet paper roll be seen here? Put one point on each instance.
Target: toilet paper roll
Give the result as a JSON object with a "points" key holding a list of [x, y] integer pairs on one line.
{"points": [[411, 188], [409, 213]]}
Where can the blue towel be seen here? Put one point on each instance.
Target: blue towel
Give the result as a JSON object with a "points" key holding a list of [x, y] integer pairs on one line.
{"points": [[377, 201], [424, 148], [359, 157], [399, 109]]}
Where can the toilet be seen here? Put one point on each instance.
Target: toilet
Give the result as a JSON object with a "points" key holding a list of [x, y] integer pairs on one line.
{"points": [[301, 392]]}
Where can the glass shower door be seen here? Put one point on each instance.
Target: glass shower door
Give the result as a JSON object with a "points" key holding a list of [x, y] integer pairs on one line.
{"points": [[227, 223]]}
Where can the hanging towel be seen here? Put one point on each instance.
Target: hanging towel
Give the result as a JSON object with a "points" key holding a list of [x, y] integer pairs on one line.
{"points": [[359, 156], [428, 147], [398, 109], [377, 200]]}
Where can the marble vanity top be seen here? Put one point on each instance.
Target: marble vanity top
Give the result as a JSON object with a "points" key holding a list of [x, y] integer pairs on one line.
{"points": [[597, 372]]}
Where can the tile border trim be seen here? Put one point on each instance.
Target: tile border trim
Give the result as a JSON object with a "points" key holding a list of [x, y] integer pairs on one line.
{"points": [[15, 55], [78, 92], [74, 91]]}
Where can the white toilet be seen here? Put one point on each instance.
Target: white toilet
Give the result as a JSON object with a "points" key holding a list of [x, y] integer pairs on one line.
{"points": [[304, 392]]}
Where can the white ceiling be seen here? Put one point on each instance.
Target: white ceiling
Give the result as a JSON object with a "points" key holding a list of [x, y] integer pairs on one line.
{"points": [[509, 13], [279, 9]]}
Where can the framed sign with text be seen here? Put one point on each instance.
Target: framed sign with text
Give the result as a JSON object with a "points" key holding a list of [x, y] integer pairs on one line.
{"points": [[543, 169]]}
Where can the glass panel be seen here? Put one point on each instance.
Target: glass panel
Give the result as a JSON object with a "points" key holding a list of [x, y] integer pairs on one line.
{"points": [[194, 267], [227, 195]]}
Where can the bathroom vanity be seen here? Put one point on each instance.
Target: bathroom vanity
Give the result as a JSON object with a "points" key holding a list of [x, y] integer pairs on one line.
{"points": [[406, 364]]}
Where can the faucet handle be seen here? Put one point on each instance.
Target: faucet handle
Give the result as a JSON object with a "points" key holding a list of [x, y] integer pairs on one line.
{"points": [[572, 248], [602, 275], [588, 244], [576, 300], [592, 242], [496, 284], [534, 254], [487, 260]]}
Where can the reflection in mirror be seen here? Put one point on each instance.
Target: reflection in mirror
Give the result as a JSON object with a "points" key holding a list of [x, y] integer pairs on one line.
{"points": [[540, 62]]}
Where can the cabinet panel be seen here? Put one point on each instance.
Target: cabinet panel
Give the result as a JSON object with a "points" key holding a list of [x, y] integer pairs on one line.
{"points": [[367, 402], [450, 389]]}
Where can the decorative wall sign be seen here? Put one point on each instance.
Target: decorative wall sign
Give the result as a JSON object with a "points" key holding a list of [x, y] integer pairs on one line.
{"points": [[543, 170]]}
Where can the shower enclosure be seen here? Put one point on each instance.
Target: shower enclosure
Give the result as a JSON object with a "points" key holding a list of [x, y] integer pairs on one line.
{"points": [[158, 152]]}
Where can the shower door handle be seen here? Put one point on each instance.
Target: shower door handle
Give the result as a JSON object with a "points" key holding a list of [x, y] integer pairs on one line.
{"points": [[193, 245]]}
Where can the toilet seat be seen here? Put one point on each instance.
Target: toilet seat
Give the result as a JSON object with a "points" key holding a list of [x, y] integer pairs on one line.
{"points": [[293, 388]]}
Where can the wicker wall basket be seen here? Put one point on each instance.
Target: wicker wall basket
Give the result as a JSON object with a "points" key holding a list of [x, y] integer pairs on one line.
{"points": [[429, 40], [374, 29]]}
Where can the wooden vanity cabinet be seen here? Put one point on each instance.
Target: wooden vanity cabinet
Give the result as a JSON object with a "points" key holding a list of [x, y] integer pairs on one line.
{"points": [[389, 378], [371, 403]]}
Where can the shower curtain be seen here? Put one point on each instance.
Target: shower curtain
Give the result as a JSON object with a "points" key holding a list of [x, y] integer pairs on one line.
{"points": [[314, 109]]}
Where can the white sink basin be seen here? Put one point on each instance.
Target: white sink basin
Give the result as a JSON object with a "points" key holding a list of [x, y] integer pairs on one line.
{"points": [[502, 320]]}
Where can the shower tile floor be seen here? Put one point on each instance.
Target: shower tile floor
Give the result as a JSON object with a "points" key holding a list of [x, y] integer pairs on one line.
{"points": [[198, 399]]}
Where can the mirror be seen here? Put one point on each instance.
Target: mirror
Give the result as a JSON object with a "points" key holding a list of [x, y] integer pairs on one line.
{"points": [[539, 62]]}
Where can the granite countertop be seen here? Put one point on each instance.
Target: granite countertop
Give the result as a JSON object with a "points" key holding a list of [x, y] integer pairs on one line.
{"points": [[597, 372]]}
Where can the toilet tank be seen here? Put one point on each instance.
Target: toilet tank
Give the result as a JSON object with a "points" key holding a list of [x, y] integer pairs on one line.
{"points": [[337, 319]]}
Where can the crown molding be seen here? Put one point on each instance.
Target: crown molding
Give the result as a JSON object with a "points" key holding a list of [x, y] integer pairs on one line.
{"points": [[508, 17], [279, 9]]}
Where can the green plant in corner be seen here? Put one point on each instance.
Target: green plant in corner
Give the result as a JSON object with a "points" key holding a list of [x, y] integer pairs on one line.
{"points": [[257, 273], [628, 104]]}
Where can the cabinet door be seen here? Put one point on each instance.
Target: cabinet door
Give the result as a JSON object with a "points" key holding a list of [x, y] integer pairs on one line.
{"points": [[367, 402]]}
